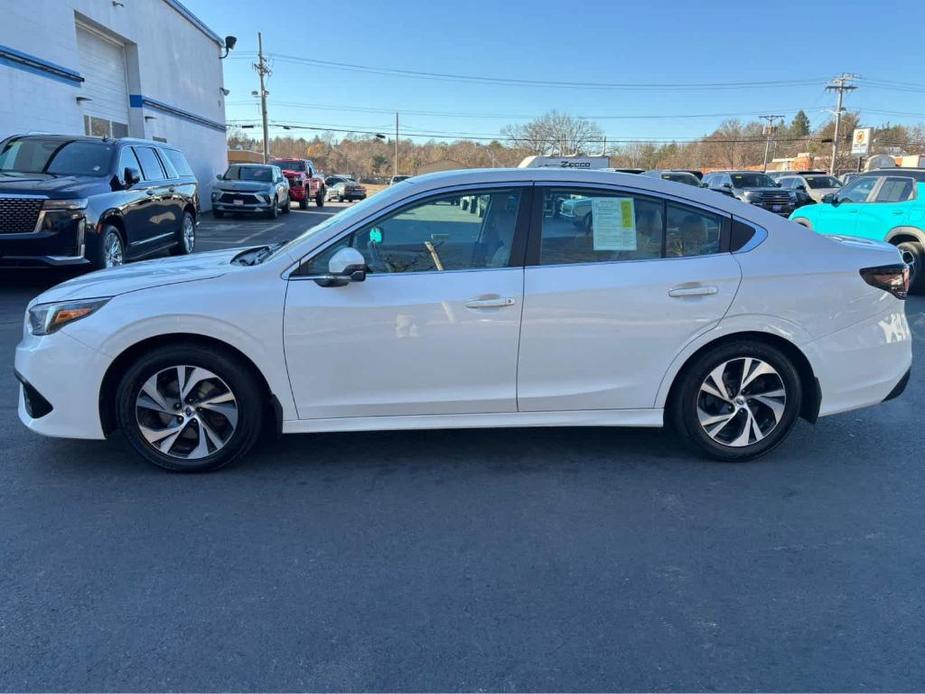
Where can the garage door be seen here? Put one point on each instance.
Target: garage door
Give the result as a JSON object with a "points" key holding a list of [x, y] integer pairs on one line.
{"points": [[102, 63]]}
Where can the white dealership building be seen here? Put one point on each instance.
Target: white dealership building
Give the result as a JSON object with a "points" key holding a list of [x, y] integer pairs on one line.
{"points": [[136, 68]]}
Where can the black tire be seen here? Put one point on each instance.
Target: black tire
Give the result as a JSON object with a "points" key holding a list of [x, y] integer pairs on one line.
{"points": [[340, 198], [914, 254], [185, 246], [687, 398], [273, 212], [303, 204], [287, 206], [218, 214], [110, 238], [319, 198], [237, 376]]}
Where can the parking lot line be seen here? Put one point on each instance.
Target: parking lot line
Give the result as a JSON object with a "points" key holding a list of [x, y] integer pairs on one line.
{"points": [[261, 231]]}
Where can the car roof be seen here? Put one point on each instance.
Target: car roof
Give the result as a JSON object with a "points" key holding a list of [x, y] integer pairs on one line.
{"points": [[250, 165], [90, 138], [917, 173]]}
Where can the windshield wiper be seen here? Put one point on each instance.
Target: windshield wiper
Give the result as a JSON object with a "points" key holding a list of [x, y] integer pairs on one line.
{"points": [[257, 254], [266, 251]]}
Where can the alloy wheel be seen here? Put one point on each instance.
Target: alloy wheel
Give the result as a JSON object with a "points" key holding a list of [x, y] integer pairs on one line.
{"points": [[112, 252], [186, 412], [189, 233], [741, 401]]}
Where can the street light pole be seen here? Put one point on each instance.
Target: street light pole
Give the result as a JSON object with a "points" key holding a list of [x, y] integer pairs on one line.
{"points": [[395, 162]]}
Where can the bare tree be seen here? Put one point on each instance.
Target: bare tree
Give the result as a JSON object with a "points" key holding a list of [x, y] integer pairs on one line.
{"points": [[555, 133]]}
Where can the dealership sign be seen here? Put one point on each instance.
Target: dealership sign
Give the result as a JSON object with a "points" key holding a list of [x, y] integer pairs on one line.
{"points": [[860, 142]]}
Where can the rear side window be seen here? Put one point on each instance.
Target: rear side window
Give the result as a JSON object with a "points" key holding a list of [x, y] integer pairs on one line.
{"points": [[179, 161], [151, 168], [895, 189], [692, 232], [168, 166]]}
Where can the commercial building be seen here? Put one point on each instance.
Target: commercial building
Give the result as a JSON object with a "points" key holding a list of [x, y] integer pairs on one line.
{"points": [[137, 68]]}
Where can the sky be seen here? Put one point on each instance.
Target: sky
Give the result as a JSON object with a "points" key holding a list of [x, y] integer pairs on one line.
{"points": [[660, 69]]}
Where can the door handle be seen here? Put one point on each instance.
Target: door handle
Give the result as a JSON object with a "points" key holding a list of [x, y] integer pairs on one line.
{"points": [[171, 190], [149, 192], [494, 302], [693, 291]]}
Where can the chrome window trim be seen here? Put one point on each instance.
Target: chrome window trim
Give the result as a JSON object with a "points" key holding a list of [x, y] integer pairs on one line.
{"points": [[645, 192], [433, 192]]}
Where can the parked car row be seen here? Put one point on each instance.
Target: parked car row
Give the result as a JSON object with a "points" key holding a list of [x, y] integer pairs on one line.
{"points": [[100, 202]]}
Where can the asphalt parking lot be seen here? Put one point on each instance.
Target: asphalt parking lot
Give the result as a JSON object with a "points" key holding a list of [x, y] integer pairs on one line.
{"points": [[570, 559]]}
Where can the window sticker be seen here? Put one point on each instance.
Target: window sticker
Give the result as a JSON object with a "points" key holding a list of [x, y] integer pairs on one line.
{"points": [[614, 224]]}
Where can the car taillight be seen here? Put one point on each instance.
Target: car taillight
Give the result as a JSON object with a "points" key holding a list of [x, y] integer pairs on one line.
{"points": [[890, 278]]}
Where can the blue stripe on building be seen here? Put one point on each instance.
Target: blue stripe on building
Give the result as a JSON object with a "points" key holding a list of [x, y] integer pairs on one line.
{"points": [[141, 101], [38, 66]]}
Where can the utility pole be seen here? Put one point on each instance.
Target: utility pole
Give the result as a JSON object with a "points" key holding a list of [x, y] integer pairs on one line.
{"points": [[769, 131], [395, 162], [264, 71], [840, 85]]}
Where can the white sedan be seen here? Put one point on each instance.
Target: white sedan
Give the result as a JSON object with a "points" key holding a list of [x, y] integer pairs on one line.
{"points": [[672, 304]]}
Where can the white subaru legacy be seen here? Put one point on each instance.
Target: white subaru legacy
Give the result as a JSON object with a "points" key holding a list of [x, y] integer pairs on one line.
{"points": [[485, 298]]}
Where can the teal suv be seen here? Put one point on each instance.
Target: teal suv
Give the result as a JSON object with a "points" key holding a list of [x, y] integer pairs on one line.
{"points": [[884, 205]]}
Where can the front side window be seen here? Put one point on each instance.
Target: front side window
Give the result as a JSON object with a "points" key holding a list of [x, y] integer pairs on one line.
{"points": [[127, 160], [858, 189], [150, 165], [817, 182], [895, 189], [462, 231]]}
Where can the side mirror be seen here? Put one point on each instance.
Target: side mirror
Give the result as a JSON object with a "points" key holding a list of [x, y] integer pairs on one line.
{"points": [[830, 198], [346, 266], [219, 177], [131, 176]]}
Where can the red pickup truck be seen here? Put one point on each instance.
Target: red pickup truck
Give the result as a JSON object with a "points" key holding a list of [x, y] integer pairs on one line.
{"points": [[304, 183]]}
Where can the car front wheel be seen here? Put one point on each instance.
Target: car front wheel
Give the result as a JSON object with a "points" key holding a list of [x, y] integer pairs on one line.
{"points": [[112, 250], [738, 401], [189, 409]]}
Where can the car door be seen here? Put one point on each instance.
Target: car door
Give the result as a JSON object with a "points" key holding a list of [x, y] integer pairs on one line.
{"points": [[607, 308], [157, 219], [133, 200], [434, 327], [173, 197], [841, 216], [891, 203]]}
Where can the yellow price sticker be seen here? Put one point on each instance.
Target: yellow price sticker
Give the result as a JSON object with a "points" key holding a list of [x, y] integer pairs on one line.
{"points": [[626, 211]]}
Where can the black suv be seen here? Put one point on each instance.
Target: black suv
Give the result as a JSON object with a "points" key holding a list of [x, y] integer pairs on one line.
{"points": [[68, 200], [753, 187]]}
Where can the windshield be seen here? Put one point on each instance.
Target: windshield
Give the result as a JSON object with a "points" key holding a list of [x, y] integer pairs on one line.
{"points": [[263, 174], [289, 165], [56, 157], [752, 180], [822, 182], [681, 177]]}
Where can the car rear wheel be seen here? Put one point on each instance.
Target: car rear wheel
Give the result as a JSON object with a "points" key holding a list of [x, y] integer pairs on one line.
{"points": [[738, 401], [914, 256], [189, 409], [319, 199], [187, 241], [303, 204], [287, 205]]}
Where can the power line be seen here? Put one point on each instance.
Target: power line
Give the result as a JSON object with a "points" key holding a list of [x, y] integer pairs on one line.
{"points": [[510, 81]]}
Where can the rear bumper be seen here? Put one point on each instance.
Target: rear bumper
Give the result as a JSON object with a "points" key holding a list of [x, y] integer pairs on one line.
{"points": [[864, 364], [298, 193]]}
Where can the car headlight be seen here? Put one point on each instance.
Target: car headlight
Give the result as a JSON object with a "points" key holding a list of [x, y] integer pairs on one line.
{"points": [[45, 319], [73, 204]]}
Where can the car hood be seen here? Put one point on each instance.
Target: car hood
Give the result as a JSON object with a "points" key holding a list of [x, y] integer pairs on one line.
{"points": [[144, 275], [52, 186], [242, 186]]}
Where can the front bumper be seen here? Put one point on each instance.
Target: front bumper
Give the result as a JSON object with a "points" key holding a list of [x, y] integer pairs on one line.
{"points": [[67, 375], [61, 245]]}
